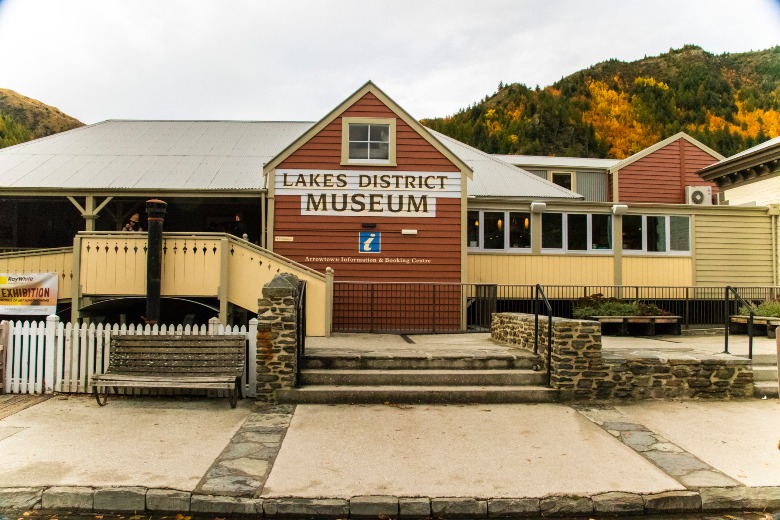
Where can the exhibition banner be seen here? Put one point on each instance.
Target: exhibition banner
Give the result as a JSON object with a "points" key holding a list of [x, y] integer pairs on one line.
{"points": [[29, 293]]}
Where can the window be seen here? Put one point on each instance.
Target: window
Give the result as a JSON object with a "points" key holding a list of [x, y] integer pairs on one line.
{"points": [[577, 236], [577, 232], [563, 179], [493, 237], [679, 234], [552, 231], [601, 231], [632, 233], [656, 234], [368, 141], [499, 230], [472, 227], [519, 230]]}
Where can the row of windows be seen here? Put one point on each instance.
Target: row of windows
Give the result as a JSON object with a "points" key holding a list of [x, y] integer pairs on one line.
{"points": [[578, 232]]}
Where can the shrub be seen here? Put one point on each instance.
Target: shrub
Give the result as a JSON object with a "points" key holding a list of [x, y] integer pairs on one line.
{"points": [[768, 308], [597, 305]]}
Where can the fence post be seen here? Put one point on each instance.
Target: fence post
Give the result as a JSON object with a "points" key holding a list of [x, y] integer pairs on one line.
{"points": [[50, 354], [213, 326], [329, 273], [5, 347]]}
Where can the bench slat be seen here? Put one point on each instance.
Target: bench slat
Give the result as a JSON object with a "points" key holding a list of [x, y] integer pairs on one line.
{"points": [[200, 351], [157, 377], [167, 384], [163, 369]]}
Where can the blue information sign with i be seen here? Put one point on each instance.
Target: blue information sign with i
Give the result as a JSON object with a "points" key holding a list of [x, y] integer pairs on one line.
{"points": [[370, 242]]}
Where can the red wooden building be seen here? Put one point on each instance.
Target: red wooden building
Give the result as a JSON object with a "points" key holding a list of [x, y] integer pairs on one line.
{"points": [[371, 193]]}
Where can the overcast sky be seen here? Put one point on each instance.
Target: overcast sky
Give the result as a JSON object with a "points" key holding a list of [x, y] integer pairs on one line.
{"points": [[297, 59]]}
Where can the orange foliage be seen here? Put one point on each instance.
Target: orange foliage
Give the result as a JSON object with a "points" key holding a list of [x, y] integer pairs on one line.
{"points": [[747, 123], [493, 127], [614, 119], [651, 82]]}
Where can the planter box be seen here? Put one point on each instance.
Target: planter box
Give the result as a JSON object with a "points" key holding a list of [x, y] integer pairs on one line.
{"points": [[639, 325], [738, 324]]}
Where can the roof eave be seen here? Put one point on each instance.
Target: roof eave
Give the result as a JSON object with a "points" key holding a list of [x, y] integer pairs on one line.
{"points": [[369, 86]]}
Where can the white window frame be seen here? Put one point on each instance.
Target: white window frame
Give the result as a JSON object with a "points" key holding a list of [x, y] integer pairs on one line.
{"points": [[391, 155], [565, 234], [668, 237], [507, 248]]}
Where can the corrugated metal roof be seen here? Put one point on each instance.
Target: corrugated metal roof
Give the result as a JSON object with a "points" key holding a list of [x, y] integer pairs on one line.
{"points": [[561, 162], [207, 156], [149, 155], [496, 178], [749, 151]]}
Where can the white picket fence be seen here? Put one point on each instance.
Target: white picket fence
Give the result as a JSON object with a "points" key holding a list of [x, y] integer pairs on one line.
{"points": [[51, 356]]}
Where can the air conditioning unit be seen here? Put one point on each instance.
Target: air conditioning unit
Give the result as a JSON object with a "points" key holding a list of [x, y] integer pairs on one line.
{"points": [[698, 195]]}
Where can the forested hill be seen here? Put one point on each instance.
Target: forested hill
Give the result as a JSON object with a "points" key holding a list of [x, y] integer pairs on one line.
{"points": [[729, 102], [23, 119]]}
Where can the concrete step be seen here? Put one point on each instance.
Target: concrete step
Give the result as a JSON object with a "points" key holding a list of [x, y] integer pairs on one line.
{"points": [[766, 389], [764, 373], [367, 377], [520, 360], [416, 394], [764, 359]]}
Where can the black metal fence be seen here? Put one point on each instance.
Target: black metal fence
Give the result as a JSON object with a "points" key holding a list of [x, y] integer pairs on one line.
{"points": [[442, 308]]}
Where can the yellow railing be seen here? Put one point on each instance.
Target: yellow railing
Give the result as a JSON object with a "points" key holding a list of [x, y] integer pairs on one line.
{"points": [[250, 267], [203, 265], [58, 261]]}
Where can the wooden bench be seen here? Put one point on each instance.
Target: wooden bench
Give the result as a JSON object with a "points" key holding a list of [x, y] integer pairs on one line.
{"points": [[738, 324], [648, 324], [191, 362]]}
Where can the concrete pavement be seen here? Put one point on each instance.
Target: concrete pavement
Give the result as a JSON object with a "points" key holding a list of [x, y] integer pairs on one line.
{"points": [[549, 455], [198, 456]]}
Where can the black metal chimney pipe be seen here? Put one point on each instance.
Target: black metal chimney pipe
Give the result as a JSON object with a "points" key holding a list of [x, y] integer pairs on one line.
{"points": [[156, 210]]}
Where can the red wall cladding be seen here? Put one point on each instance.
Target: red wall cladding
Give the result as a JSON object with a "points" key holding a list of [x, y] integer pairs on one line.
{"points": [[321, 239], [662, 175]]}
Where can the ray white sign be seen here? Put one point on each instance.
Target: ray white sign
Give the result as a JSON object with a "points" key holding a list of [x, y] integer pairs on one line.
{"points": [[28, 293], [364, 193]]}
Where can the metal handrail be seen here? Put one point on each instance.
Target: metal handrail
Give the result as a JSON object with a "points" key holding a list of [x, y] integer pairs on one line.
{"points": [[727, 318], [540, 292], [300, 329]]}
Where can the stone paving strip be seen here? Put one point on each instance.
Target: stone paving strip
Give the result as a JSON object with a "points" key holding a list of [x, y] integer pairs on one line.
{"points": [[140, 500], [242, 468], [687, 469]]}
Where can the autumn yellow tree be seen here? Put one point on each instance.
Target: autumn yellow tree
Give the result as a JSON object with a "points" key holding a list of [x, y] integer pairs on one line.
{"points": [[614, 120]]}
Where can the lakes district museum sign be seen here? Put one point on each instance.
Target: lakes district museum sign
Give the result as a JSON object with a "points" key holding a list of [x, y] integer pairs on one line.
{"points": [[368, 193]]}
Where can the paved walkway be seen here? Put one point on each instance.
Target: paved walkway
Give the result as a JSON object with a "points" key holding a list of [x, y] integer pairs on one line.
{"points": [[198, 455]]}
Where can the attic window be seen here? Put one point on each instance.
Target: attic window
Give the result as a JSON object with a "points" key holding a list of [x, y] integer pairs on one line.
{"points": [[368, 141], [563, 179]]}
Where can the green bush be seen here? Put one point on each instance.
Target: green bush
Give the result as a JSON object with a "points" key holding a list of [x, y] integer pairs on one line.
{"points": [[597, 305], [768, 308]]}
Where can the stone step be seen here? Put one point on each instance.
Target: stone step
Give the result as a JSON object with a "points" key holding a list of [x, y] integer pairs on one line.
{"points": [[766, 389], [764, 373], [520, 360], [368, 377], [416, 394]]}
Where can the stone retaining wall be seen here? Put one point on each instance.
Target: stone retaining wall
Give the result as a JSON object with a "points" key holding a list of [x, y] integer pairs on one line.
{"points": [[580, 370]]}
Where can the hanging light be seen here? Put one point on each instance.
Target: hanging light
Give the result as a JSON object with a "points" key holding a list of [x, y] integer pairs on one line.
{"points": [[526, 223], [500, 223]]}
